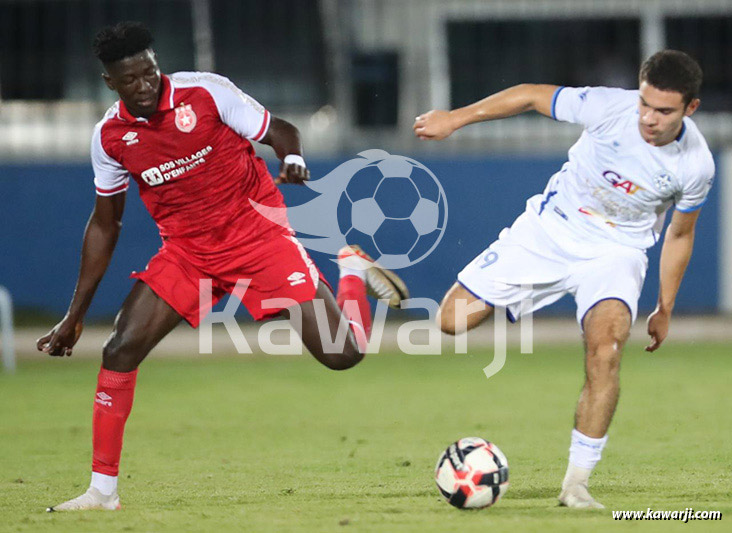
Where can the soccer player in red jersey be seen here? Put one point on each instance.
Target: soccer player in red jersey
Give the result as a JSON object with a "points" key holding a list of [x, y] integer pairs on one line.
{"points": [[185, 140]]}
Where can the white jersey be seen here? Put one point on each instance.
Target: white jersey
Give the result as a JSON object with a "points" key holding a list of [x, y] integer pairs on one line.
{"points": [[615, 186]]}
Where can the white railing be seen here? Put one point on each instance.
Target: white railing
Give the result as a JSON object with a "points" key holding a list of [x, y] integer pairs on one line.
{"points": [[6, 330], [417, 31]]}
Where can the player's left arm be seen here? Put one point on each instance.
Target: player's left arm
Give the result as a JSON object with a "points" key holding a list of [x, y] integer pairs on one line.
{"points": [[675, 255], [284, 138], [251, 120], [438, 124]]}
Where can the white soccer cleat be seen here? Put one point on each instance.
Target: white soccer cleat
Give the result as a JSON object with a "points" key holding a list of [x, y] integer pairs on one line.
{"points": [[91, 499], [577, 496], [381, 283]]}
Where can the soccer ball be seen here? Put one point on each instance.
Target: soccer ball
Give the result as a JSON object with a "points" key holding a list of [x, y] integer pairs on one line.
{"points": [[472, 473], [395, 209]]}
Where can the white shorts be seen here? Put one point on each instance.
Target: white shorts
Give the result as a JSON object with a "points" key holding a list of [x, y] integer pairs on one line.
{"points": [[528, 268]]}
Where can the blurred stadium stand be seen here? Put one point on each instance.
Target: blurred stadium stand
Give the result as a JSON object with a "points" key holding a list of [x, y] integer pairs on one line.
{"points": [[353, 72], [352, 75]]}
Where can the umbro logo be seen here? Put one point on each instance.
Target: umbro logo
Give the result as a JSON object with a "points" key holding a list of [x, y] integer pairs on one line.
{"points": [[130, 138], [104, 399], [296, 278]]}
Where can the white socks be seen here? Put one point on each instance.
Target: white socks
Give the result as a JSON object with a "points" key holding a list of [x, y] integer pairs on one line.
{"points": [[585, 451], [107, 485]]}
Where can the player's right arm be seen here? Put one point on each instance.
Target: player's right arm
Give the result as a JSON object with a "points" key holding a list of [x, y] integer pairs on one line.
{"points": [[111, 181], [100, 239], [439, 124]]}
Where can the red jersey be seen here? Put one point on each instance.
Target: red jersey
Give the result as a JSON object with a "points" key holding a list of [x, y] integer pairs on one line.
{"points": [[193, 162]]}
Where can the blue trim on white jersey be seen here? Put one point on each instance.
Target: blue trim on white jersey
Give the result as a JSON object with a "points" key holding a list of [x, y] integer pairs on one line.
{"points": [[618, 298], [554, 101], [681, 133], [509, 314], [692, 209], [546, 201]]}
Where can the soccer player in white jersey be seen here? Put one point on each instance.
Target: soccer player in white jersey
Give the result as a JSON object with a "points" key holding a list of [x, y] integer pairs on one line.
{"points": [[639, 155]]}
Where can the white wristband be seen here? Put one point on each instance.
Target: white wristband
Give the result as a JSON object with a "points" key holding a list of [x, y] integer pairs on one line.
{"points": [[294, 159]]}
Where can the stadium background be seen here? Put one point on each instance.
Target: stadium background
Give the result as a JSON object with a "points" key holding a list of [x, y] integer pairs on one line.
{"points": [[351, 75]]}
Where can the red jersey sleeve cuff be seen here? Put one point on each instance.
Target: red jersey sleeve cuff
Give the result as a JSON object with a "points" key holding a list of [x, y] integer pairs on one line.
{"points": [[265, 126]]}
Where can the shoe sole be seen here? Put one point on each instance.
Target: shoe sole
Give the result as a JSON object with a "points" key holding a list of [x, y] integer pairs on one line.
{"points": [[386, 276], [594, 504], [53, 510], [395, 282]]}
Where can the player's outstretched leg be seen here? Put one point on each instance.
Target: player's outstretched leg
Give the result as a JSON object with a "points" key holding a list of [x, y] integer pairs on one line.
{"points": [[461, 311], [330, 339], [606, 328], [142, 322], [349, 317], [361, 275]]}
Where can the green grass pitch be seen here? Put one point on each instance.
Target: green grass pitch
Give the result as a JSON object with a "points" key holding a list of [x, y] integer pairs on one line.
{"points": [[282, 444]]}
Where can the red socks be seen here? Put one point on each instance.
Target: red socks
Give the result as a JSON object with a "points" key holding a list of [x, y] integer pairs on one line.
{"points": [[116, 390], [112, 406], [352, 299]]}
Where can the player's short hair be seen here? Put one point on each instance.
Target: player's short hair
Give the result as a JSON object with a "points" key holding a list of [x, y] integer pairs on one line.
{"points": [[672, 70], [125, 39]]}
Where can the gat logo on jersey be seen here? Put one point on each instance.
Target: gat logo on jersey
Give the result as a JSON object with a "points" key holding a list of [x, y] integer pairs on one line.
{"points": [[185, 118], [619, 182]]}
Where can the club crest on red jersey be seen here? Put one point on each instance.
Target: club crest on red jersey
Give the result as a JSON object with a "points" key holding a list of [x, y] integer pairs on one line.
{"points": [[185, 118]]}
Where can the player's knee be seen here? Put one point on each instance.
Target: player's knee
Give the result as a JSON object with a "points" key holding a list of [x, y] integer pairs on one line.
{"points": [[460, 312], [349, 358], [339, 359], [604, 347], [120, 353], [603, 360], [446, 319]]}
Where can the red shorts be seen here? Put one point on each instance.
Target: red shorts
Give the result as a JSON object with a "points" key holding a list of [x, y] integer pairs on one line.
{"points": [[276, 268]]}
